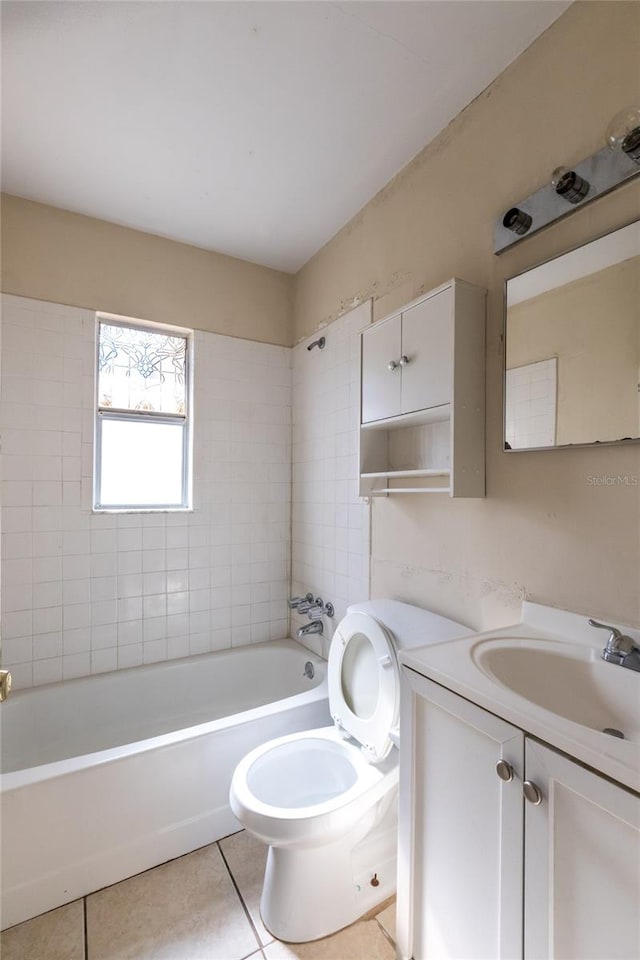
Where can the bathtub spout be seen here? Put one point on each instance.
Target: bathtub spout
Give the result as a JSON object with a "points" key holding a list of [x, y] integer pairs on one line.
{"points": [[314, 627]]}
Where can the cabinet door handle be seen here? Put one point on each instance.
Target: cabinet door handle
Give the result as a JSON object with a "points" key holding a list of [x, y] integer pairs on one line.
{"points": [[504, 771], [532, 793], [392, 365], [404, 361]]}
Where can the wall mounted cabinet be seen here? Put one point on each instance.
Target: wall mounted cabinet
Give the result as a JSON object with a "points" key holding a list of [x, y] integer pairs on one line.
{"points": [[491, 869], [422, 397]]}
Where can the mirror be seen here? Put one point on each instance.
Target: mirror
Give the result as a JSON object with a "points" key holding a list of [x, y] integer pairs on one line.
{"points": [[572, 347]]}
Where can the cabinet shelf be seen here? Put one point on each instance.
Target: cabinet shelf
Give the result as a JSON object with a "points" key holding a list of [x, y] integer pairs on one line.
{"points": [[438, 472], [385, 490], [417, 418]]}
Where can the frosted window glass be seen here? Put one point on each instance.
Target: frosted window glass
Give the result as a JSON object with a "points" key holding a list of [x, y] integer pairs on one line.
{"points": [[141, 463], [141, 370]]}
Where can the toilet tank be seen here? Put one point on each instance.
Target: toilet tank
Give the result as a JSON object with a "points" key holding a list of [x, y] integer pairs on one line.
{"points": [[411, 626]]}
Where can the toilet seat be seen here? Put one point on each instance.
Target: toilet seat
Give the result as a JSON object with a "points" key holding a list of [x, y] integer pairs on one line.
{"points": [[363, 680], [318, 811]]}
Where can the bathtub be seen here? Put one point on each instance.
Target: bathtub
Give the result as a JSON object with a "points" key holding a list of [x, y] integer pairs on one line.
{"points": [[105, 776]]}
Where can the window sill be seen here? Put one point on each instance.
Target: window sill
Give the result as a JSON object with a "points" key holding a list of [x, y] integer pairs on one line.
{"points": [[97, 510]]}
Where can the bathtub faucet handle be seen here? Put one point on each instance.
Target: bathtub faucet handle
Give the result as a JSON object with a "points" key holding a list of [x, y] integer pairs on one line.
{"points": [[320, 609], [294, 602]]}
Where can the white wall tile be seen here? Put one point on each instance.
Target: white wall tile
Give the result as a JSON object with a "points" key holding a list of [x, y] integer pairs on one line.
{"points": [[47, 645], [76, 616], [47, 671], [76, 591], [46, 594], [103, 612], [16, 650], [76, 641], [330, 524], [129, 632], [102, 661], [76, 665], [129, 656], [103, 636], [105, 591]]}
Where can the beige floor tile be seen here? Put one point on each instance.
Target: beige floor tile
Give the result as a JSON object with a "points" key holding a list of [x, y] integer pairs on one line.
{"points": [[387, 920], [361, 941], [57, 935], [184, 910], [246, 857]]}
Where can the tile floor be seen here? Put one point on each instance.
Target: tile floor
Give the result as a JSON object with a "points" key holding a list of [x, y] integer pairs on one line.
{"points": [[203, 906]]}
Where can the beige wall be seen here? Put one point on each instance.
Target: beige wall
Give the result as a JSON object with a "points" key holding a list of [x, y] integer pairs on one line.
{"points": [[593, 327], [545, 530], [51, 254]]}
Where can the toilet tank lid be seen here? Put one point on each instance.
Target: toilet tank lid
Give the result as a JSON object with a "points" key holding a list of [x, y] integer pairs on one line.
{"points": [[411, 626]]}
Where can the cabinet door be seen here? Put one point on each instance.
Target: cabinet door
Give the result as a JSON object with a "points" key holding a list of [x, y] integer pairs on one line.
{"points": [[582, 863], [460, 854], [381, 386], [427, 343]]}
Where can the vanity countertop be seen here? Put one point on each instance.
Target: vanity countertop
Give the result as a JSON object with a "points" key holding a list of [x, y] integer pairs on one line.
{"points": [[554, 648]]}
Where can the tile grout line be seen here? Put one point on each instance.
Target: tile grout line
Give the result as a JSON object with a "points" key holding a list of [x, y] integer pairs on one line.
{"points": [[84, 921], [241, 898]]}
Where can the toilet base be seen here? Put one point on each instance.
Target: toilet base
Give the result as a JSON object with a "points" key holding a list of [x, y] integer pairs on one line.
{"points": [[310, 893]]}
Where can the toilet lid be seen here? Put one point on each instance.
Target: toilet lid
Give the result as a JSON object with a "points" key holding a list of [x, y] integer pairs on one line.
{"points": [[363, 683]]}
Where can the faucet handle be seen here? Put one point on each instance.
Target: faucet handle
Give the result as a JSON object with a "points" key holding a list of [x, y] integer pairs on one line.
{"points": [[296, 602], [320, 609], [614, 633], [618, 645]]}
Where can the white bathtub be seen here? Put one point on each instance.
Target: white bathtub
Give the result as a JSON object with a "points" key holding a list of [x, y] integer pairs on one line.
{"points": [[109, 775]]}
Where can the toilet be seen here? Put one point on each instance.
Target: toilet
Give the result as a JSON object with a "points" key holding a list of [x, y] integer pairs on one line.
{"points": [[325, 800]]}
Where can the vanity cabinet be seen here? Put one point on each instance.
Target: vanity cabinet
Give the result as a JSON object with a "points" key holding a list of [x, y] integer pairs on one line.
{"points": [[460, 854], [422, 396], [581, 862], [484, 872]]}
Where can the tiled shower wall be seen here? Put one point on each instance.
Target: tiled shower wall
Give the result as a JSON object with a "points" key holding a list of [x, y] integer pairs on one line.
{"points": [[330, 523], [85, 593]]}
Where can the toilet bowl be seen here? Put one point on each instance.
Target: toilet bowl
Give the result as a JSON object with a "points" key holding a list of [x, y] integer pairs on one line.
{"points": [[325, 800]]}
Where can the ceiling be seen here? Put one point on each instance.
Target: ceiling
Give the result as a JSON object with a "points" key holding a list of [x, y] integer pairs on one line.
{"points": [[254, 128]]}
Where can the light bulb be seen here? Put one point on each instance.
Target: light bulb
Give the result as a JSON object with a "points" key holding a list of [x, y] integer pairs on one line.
{"points": [[569, 185], [623, 133], [557, 176], [517, 221]]}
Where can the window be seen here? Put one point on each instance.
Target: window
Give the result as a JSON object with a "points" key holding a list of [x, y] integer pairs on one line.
{"points": [[142, 417]]}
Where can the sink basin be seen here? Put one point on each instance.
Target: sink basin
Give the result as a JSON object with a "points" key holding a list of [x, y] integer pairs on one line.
{"points": [[570, 680]]}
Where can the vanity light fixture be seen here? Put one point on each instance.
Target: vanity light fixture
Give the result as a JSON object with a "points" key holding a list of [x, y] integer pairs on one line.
{"points": [[569, 185], [517, 221], [623, 133], [576, 186]]}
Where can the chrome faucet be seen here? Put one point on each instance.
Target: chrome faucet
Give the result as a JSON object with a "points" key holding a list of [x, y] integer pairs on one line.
{"points": [[314, 627], [295, 603], [320, 609], [314, 609], [619, 648]]}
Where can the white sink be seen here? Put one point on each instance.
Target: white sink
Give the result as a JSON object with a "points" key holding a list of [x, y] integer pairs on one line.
{"points": [[568, 679], [545, 675]]}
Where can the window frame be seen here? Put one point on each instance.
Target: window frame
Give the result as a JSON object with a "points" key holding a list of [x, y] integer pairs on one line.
{"points": [[144, 416]]}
